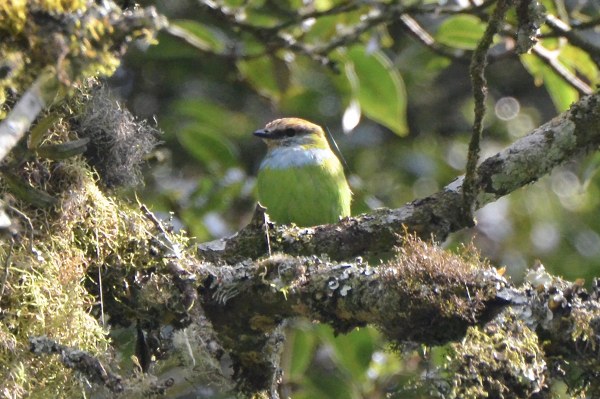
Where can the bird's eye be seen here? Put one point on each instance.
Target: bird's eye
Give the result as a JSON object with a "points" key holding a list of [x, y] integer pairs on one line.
{"points": [[289, 132]]}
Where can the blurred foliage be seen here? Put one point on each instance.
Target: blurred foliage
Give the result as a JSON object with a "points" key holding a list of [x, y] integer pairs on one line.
{"points": [[400, 111]]}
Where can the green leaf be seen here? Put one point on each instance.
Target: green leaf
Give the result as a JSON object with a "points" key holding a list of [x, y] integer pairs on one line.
{"points": [[208, 146], [199, 35], [27, 193], [379, 88], [213, 116], [461, 31], [39, 131], [562, 94], [580, 63], [63, 150], [268, 75], [363, 341], [302, 347]]}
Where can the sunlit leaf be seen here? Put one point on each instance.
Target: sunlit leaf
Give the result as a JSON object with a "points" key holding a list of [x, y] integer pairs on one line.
{"points": [[202, 36], [461, 31], [351, 116], [379, 88], [580, 62], [562, 94]]}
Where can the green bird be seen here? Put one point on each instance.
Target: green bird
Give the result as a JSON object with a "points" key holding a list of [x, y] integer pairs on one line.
{"points": [[301, 180]]}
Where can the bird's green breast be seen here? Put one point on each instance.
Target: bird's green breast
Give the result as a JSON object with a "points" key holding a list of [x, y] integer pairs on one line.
{"points": [[304, 193]]}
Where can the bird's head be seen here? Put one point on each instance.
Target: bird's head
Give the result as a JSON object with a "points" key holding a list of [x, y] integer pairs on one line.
{"points": [[290, 132]]}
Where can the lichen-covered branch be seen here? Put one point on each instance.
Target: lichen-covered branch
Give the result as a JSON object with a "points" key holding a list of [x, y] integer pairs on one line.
{"points": [[17, 123], [506, 338]]}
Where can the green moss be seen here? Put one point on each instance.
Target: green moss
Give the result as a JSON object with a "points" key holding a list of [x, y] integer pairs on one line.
{"points": [[78, 38], [501, 360]]}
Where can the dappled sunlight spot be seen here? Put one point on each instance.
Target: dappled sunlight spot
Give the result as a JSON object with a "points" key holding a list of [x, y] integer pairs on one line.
{"points": [[566, 185], [507, 108], [587, 243], [374, 202], [425, 186], [515, 263], [419, 164], [351, 116], [456, 155], [233, 175], [520, 125], [545, 237], [490, 148], [493, 220], [216, 225]]}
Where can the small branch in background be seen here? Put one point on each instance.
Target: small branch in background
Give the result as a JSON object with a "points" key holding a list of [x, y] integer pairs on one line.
{"points": [[276, 37], [477, 72], [35, 99], [300, 18], [273, 39], [559, 28], [550, 58], [592, 23], [78, 360], [413, 27]]}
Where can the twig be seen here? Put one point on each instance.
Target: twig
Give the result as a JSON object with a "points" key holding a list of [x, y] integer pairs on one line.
{"points": [[28, 220], [477, 72], [559, 28], [79, 360], [592, 23], [552, 61], [272, 39], [152, 217], [300, 18], [415, 30], [6, 267], [35, 99]]}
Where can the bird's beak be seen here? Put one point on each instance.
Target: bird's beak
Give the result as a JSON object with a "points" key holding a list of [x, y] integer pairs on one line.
{"points": [[262, 134]]}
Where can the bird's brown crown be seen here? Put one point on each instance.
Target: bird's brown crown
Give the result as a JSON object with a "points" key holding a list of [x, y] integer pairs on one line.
{"points": [[288, 127]]}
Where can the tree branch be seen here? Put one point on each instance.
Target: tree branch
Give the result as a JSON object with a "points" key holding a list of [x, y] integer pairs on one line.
{"points": [[80, 361], [550, 58]]}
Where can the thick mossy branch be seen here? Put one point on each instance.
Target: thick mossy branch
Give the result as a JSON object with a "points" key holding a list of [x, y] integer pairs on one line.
{"points": [[424, 294], [571, 134], [422, 286]]}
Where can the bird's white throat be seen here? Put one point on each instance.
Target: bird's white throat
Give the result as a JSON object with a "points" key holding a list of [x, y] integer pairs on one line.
{"points": [[290, 157]]}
